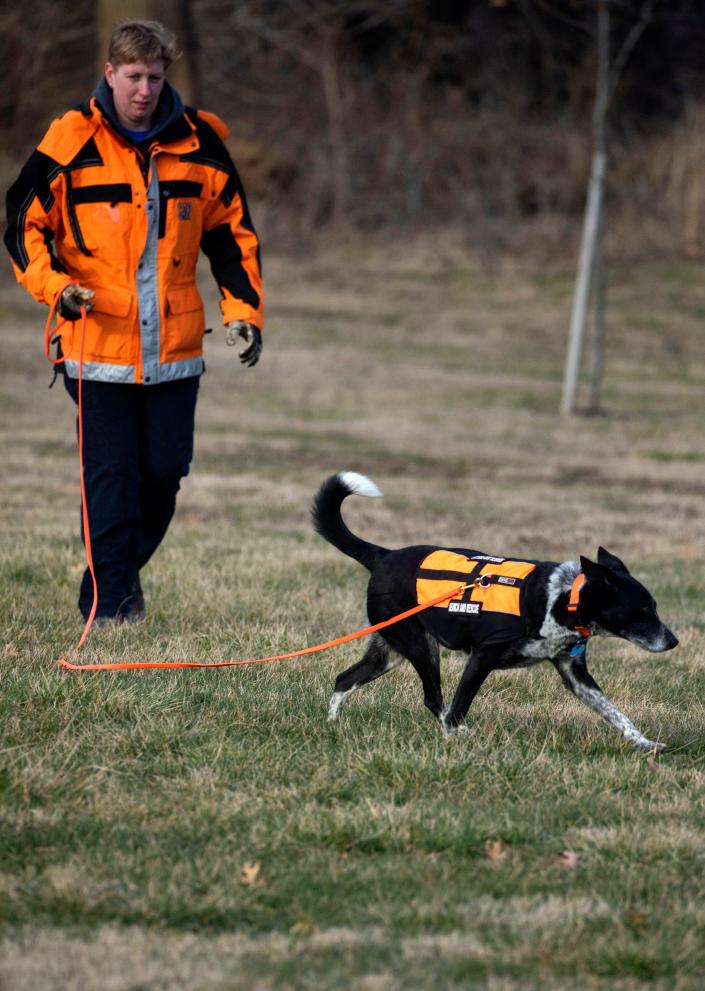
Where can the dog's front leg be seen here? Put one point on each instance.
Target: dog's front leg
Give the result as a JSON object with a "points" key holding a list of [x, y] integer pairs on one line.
{"points": [[476, 670], [577, 679], [377, 660]]}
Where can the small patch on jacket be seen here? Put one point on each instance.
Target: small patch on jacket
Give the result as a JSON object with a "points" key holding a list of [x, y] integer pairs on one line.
{"points": [[473, 608]]}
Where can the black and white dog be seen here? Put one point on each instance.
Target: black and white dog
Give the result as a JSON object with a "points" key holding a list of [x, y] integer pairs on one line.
{"points": [[502, 613]]}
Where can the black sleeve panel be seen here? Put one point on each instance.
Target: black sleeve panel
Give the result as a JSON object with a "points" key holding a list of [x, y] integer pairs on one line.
{"points": [[33, 182], [225, 257]]}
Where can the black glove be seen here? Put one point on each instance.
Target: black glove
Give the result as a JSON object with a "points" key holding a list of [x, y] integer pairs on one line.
{"points": [[252, 338], [72, 299]]}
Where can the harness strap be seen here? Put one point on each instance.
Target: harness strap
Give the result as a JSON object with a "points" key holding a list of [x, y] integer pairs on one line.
{"points": [[574, 602]]}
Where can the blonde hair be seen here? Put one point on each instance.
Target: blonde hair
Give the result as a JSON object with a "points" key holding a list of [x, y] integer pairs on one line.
{"points": [[142, 41]]}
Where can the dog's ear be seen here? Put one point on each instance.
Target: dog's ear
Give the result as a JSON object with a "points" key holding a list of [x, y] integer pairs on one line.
{"points": [[610, 561], [595, 572]]}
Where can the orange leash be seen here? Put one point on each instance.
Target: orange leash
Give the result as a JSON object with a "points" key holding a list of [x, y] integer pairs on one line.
{"points": [[138, 665], [48, 333], [134, 665]]}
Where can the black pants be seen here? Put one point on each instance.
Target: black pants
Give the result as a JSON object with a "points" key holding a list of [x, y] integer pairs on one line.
{"points": [[137, 446]]}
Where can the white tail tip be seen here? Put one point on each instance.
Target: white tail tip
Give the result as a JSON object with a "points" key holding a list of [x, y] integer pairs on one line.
{"points": [[358, 484]]}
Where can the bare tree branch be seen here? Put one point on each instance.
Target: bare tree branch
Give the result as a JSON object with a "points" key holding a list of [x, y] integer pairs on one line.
{"points": [[645, 18]]}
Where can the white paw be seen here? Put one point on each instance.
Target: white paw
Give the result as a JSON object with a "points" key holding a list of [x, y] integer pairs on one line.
{"points": [[335, 705], [648, 746], [460, 730]]}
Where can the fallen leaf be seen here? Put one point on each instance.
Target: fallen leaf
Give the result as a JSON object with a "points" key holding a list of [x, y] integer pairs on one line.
{"points": [[495, 850], [566, 858], [637, 920], [250, 874]]}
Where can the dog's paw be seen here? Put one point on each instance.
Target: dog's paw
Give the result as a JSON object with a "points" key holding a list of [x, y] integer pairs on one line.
{"points": [[648, 746], [461, 729], [335, 705]]}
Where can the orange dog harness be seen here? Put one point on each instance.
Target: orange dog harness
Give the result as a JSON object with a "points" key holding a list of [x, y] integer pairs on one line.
{"points": [[490, 608]]}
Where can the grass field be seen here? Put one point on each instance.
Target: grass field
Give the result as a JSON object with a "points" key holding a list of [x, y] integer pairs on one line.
{"points": [[209, 830]]}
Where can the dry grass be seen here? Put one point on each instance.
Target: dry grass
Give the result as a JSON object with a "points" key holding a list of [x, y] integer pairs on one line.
{"points": [[135, 807]]}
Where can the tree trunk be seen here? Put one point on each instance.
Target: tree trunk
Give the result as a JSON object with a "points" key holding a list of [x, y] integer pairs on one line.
{"points": [[335, 110], [597, 352], [592, 224]]}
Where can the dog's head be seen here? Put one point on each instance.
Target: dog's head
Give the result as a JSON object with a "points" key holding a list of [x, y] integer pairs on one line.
{"points": [[620, 605]]}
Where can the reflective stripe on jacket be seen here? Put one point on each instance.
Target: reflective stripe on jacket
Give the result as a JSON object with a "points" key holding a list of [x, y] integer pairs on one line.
{"points": [[90, 207]]}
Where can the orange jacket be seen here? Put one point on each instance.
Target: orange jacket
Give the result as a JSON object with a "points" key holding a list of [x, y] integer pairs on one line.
{"points": [[90, 207]]}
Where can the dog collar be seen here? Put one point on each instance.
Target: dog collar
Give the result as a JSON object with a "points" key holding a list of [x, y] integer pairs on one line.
{"points": [[574, 602]]}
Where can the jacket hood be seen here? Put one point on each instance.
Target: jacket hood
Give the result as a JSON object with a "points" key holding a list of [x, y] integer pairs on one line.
{"points": [[169, 109]]}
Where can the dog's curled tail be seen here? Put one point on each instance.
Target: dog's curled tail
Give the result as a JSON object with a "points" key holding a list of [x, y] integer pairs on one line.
{"points": [[328, 521]]}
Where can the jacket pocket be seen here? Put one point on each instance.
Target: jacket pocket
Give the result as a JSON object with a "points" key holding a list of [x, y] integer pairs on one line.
{"points": [[110, 331], [114, 302], [99, 214], [180, 214], [184, 321]]}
